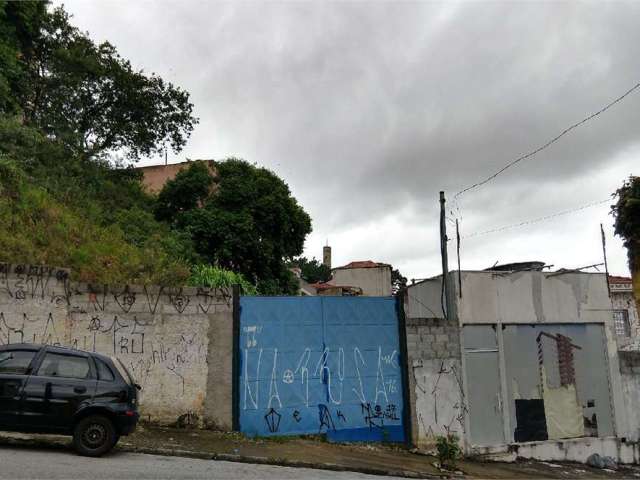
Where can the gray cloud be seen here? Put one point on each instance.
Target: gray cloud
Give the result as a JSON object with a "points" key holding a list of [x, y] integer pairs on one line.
{"points": [[369, 109]]}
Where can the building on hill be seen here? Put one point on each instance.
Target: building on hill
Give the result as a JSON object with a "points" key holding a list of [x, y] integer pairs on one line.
{"points": [[156, 176]]}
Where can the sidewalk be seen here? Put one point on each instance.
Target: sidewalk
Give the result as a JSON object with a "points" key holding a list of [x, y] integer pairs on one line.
{"points": [[316, 453]]}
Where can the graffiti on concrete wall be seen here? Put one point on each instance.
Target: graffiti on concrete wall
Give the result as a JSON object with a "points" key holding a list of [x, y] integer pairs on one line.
{"points": [[161, 335], [314, 377], [440, 400]]}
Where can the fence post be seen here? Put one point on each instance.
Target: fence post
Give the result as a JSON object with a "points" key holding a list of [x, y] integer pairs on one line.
{"points": [[235, 369]]}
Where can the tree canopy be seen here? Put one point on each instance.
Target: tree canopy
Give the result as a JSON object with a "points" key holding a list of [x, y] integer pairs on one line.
{"points": [[69, 109], [398, 281], [627, 219], [81, 93], [67, 104], [312, 270], [242, 218]]}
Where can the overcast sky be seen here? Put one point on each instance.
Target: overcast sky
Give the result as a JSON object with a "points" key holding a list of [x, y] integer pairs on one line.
{"points": [[367, 110]]}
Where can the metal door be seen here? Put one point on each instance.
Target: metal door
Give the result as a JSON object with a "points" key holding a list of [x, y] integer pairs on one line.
{"points": [[14, 371], [483, 385], [57, 390], [312, 365]]}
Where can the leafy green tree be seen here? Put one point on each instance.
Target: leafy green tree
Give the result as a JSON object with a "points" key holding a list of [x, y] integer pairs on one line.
{"points": [[65, 104], [188, 190], [398, 281], [20, 24], [85, 94], [312, 270], [626, 212], [242, 218]]}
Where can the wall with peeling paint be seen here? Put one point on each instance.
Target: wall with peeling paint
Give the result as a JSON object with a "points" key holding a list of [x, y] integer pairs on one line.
{"points": [[533, 297], [176, 342], [500, 363], [435, 375], [630, 372]]}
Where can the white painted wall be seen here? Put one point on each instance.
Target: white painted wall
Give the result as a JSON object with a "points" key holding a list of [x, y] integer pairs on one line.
{"points": [[374, 282], [423, 299], [439, 404], [533, 297]]}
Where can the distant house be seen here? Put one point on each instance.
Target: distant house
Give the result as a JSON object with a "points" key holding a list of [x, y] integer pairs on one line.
{"points": [[156, 176], [372, 278], [625, 314], [328, 289]]}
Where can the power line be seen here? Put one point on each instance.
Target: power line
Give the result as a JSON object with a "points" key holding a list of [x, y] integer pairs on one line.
{"points": [[536, 220], [553, 140], [435, 315]]}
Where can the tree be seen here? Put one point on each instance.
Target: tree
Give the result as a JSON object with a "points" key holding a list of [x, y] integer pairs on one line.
{"points": [[86, 95], [20, 24], [188, 190], [240, 218], [312, 270], [65, 104], [626, 212], [398, 281]]}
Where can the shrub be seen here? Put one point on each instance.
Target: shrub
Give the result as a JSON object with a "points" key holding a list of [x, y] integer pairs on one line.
{"points": [[448, 450], [215, 277]]}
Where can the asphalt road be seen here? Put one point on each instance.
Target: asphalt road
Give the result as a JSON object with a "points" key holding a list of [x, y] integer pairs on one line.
{"points": [[31, 463]]}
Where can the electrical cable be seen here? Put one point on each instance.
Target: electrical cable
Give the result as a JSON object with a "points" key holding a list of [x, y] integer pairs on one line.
{"points": [[435, 315], [536, 220], [550, 142]]}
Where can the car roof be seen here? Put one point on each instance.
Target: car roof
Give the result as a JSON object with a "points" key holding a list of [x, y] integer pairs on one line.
{"points": [[51, 348], [22, 346]]}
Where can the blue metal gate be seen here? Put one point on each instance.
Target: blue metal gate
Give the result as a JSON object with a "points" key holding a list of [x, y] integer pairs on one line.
{"points": [[312, 365]]}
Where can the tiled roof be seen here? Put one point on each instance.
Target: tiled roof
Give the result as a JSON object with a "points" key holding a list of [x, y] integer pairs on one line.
{"points": [[616, 279], [363, 264], [322, 285]]}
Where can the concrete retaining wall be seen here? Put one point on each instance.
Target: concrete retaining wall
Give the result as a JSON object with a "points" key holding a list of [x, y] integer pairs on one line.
{"points": [[176, 342]]}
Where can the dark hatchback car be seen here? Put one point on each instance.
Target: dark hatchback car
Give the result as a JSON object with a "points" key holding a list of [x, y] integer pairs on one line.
{"points": [[45, 389]]}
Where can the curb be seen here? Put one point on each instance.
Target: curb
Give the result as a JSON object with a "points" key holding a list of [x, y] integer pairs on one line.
{"points": [[227, 457]]}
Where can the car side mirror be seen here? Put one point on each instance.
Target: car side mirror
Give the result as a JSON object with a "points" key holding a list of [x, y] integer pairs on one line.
{"points": [[138, 387]]}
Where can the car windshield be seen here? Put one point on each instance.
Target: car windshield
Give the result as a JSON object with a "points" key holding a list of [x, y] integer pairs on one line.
{"points": [[124, 372]]}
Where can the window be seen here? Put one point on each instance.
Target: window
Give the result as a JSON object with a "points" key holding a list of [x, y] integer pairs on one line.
{"points": [[124, 373], [15, 362], [104, 372], [621, 320], [68, 366]]}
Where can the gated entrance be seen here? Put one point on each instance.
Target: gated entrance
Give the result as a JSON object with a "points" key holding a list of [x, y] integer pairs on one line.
{"points": [[310, 365]]}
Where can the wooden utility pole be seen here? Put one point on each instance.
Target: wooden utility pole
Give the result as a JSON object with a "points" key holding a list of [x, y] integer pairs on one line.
{"points": [[604, 254], [444, 297], [458, 252]]}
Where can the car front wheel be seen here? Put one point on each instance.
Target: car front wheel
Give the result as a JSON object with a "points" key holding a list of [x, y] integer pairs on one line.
{"points": [[94, 436]]}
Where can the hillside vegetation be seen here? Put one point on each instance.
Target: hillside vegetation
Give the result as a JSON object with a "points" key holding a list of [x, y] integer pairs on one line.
{"points": [[74, 117]]}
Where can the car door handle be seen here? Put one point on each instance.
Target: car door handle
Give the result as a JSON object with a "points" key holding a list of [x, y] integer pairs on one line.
{"points": [[79, 389]]}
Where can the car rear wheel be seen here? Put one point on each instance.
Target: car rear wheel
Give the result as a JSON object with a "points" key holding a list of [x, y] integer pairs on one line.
{"points": [[94, 436]]}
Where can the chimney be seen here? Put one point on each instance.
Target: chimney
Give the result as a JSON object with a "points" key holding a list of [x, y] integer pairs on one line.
{"points": [[326, 256]]}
